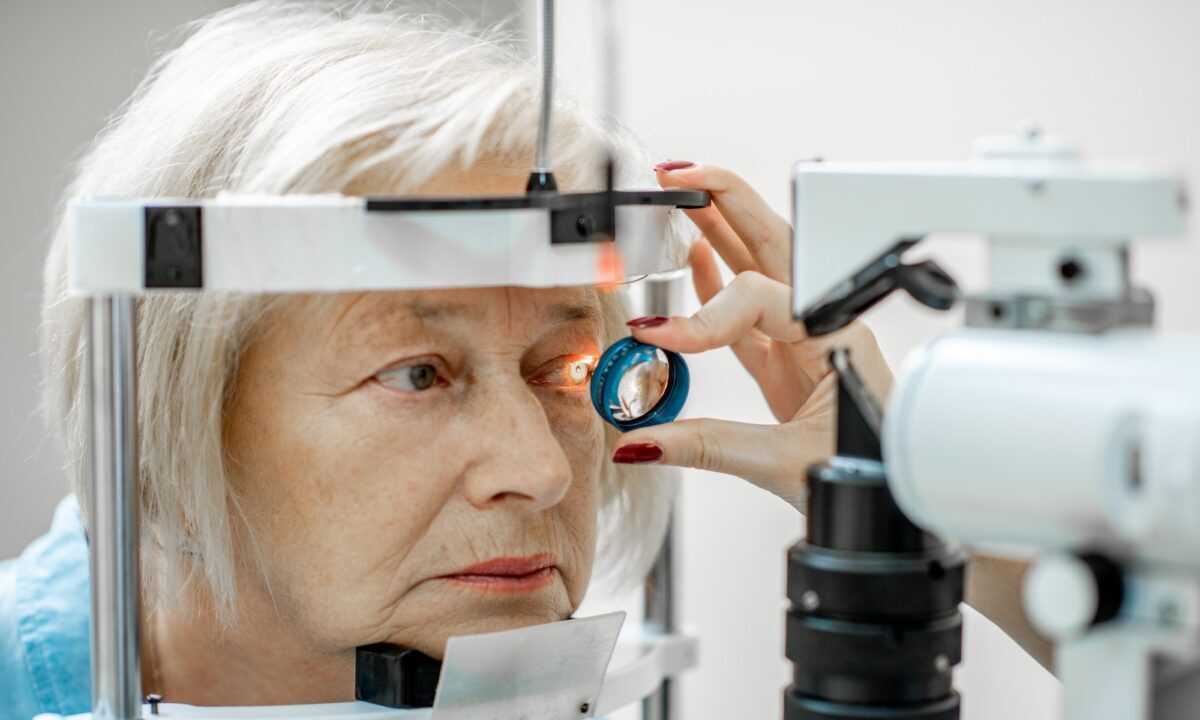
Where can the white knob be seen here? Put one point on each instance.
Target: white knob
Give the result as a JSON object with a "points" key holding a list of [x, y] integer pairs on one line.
{"points": [[1062, 595]]}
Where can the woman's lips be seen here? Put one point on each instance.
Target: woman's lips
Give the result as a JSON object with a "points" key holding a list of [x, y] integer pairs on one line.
{"points": [[507, 574]]}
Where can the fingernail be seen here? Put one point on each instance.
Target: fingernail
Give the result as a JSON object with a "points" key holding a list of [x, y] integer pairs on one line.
{"points": [[669, 165], [648, 322], [638, 454]]}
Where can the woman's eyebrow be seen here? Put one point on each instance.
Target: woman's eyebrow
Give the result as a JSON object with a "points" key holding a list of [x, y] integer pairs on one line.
{"points": [[426, 311], [574, 312], [369, 320]]}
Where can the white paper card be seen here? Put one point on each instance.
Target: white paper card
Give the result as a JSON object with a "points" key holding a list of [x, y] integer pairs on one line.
{"points": [[542, 672]]}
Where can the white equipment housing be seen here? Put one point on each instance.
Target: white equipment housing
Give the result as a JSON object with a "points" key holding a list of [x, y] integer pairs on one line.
{"points": [[1057, 419], [1061, 441], [1032, 198]]}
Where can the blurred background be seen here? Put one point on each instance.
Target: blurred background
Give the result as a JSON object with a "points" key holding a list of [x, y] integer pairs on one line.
{"points": [[753, 85]]}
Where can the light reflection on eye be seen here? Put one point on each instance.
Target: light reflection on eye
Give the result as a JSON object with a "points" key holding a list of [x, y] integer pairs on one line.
{"points": [[409, 378], [570, 371]]}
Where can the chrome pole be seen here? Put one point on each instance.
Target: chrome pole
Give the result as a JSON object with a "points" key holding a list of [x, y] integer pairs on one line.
{"points": [[113, 528], [662, 298], [546, 52]]}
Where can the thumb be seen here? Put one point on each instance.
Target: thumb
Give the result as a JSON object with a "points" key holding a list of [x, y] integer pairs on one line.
{"points": [[773, 457]]}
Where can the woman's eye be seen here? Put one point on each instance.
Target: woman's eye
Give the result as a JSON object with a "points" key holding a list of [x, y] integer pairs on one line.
{"points": [[568, 372], [410, 378]]}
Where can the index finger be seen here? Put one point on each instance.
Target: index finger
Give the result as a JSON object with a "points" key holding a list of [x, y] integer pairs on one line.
{"points": [[767, 237]]}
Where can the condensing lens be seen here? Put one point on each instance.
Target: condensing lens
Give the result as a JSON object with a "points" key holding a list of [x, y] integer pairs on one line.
{"points": [[642, 387]]}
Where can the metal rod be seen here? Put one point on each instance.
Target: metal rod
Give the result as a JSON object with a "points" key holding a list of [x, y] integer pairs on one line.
{"points": [[659, 606], [546, 50], [114, 525], [662, 298], [609, 79]]}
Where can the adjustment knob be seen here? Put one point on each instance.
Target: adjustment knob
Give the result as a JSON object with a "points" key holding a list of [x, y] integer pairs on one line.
{"points": [[1065, 594]]}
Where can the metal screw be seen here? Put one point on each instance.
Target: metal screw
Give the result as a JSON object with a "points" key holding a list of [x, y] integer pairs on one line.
{"points": [[810, 600], [584, 226], [941, 663], [171, 218], [154, 699], [584, 708], [1071, 270]]}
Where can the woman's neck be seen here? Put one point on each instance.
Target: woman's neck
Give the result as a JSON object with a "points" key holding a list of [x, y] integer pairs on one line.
{"points": [[189, 658]]}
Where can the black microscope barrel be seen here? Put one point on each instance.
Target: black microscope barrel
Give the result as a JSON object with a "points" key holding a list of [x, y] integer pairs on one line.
{"points": [[874, 630]]}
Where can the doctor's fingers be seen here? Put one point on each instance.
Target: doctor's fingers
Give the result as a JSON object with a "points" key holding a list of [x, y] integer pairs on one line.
{"points": [[752, 349], [865, 354], [773, 457], [751, 301], [764, 235]]}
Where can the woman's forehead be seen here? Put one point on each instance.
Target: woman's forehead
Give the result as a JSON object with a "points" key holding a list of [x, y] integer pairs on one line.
{"points": [[353, 314]]}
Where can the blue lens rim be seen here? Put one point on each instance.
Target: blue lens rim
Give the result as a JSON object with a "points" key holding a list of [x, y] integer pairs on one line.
{"points": [[618, 358]]}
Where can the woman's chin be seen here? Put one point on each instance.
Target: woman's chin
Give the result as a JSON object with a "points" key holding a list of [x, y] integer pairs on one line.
{"points": [[471, 607], [434, 644]]}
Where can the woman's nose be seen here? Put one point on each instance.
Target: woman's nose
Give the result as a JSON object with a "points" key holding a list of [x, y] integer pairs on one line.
{"points": [[519, 459]]}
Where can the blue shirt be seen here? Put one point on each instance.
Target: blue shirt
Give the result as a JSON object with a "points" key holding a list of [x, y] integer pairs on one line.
{"points": [[45, 607]]}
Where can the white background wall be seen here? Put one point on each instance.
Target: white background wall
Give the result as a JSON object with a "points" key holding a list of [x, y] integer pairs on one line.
{"points": [[753, 85]]}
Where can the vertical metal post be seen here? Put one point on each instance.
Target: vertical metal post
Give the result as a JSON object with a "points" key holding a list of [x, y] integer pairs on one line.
{"points": [[662, 298], [546, 52], [113, 529]]}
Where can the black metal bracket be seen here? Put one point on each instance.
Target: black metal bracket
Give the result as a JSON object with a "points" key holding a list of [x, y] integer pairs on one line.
{"points": [[859, 417], [395, 677], [173, 247], [925, 281], [574, 217]]}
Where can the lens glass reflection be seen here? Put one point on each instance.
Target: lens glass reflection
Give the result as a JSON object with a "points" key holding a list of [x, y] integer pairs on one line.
{"points": [[642, 386]]}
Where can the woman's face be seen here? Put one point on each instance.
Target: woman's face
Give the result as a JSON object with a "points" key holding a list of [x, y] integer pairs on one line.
{"points": [[382, 444]]}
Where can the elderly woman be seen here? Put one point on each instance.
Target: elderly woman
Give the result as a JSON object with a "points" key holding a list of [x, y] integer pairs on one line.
{"points": [[322, 472]]}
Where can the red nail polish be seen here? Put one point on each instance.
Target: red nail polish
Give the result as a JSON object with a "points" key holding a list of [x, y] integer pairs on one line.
{"points": [[648, 322], [669, 165], [638, 454]]}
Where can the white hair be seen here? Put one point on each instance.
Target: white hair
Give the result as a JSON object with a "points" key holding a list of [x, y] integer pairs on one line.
{"points": [[301, 97]]}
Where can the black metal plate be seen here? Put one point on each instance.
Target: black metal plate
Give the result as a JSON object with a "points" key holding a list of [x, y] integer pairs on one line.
{"points": [[688, 199]]}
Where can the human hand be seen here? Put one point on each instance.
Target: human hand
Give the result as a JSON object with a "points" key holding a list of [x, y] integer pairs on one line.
{"points": [[752, 316]]}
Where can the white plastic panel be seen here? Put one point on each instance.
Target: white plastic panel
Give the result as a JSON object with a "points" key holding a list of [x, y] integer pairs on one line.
{"points": [[105, 246], [289, 242], [316, 243], [542, 672]]}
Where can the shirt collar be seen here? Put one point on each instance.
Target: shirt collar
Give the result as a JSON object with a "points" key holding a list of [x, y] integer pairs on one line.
{"points": [[53, 604]]}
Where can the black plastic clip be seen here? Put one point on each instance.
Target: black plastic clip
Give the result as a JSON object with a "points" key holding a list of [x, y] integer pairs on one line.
{"points": [[173, 252], [587, 222]]}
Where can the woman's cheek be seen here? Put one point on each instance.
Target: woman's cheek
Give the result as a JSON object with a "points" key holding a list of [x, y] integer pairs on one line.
{"points": [[575, 423]]}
